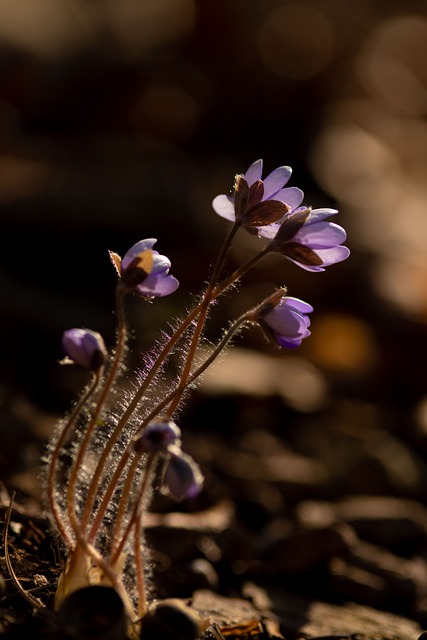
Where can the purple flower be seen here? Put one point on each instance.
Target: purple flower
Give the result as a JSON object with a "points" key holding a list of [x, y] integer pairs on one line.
{"points": [[307, 238], [158, 436], [182, 477], [84, 347], [145, 271], [287, 323], [258, 202]]}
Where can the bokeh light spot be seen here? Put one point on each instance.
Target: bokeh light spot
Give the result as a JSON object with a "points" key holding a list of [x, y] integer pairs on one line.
{"points": [[392, 65], [295, 41]]}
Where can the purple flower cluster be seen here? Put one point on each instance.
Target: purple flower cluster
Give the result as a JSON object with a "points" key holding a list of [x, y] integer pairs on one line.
{"points": [[302, 235]]}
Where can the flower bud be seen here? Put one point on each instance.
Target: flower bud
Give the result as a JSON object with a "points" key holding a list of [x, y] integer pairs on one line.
{"points": [[84, 347], [158, 436], [182, 477]]}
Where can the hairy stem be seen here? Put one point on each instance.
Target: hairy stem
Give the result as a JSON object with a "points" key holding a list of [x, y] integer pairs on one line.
{"points": [[206, 300], [168, 347], [58, 517], [125, 497], [114, 369]]}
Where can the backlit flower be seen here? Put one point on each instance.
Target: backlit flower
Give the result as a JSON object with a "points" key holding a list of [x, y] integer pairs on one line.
{"points": [[158, 436], [84, 347], [288, 322], [258, 202], [182, 476], [145, 271], [307, 238]]}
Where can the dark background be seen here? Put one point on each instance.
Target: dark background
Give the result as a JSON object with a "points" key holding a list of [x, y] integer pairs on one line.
{"points": [[120, 121]]}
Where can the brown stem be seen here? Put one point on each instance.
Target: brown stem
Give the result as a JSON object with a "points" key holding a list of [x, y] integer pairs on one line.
{"points": [[55, 454]]}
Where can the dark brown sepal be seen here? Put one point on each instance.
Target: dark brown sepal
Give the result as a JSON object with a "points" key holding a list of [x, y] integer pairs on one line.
{"points": [[268, 333], [265, 213], [290, 227], [241, 197], [302, 254], [256, 193]]}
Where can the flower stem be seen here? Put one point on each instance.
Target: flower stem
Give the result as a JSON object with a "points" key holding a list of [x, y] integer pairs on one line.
{"points": [[206, 300], [55, 456], [168, 347], [114, 369], [127, 489]]}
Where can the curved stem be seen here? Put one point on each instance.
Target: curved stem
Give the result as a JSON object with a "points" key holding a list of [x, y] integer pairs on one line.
{"points": [[120, 346], [118, 545], [55, 455], [206, 300]]}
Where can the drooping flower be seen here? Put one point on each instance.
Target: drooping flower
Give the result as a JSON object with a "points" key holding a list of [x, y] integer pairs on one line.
{"points": [[258, 202], [308, 239], [182, 477], [158, 436], [144, 271], [84, 347], [287, 322]]}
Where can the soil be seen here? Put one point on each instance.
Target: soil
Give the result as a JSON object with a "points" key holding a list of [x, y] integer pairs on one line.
{"points": [[282, 543]]}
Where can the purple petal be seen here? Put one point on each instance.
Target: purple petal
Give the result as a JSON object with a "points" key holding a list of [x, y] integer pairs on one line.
{"points": [[317, 215], [292, 196], [269, 231], [157, 286], [287, 323], [223, 205], [137, 248], [291, 343], [84, 347], [328, 257], [182, 476], [254, 172], [160, 264], [333, 255], [275, 181], [320, 235], [296, 304]]}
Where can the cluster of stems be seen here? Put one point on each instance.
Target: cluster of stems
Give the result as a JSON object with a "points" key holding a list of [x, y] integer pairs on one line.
{"points": [[100, 528]]}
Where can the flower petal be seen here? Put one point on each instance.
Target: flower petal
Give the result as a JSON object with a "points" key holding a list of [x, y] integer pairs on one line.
{"points": [[297, 304], [254, 173], [333, 255], [292, 196], [291, 343], [160, 264], [317, 215], [320, 235], [276, 180], [157, 286], [223, 205]]}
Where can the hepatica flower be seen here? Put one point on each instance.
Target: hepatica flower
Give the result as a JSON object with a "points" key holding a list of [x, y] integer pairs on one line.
{"points": [[273, 211], [306, 237], [85, 348], [288, 322], [182, 477], [258, 202], [144, 271]]}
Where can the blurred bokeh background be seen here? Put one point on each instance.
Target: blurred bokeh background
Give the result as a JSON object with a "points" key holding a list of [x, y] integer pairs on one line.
{"points": [[122, 120]]}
